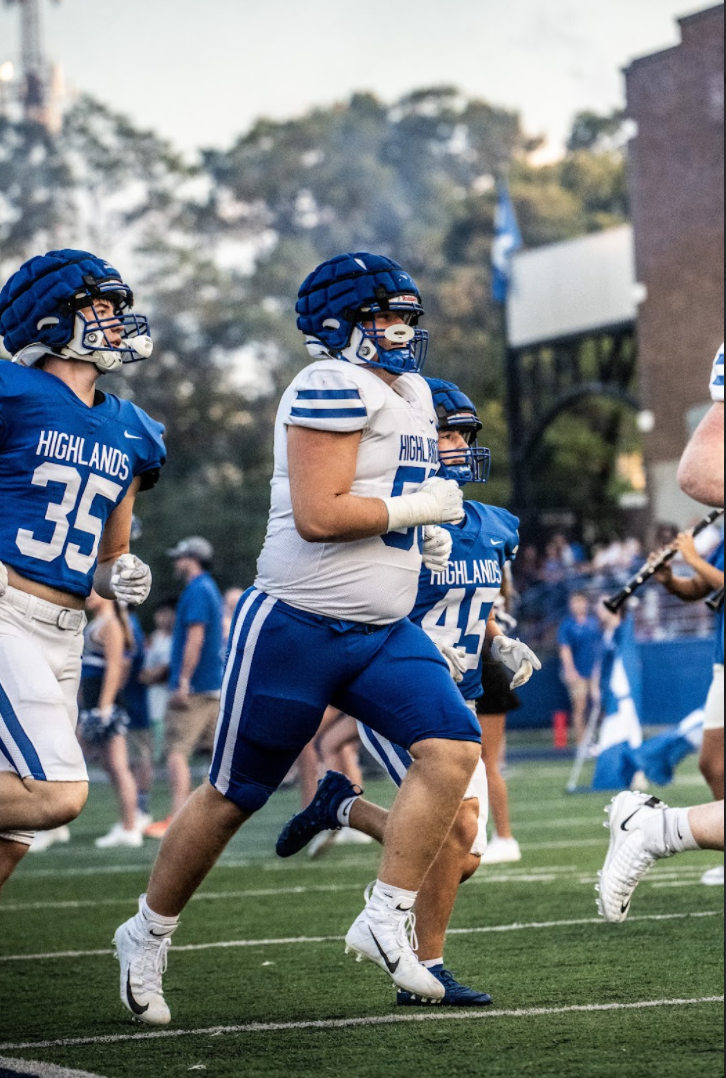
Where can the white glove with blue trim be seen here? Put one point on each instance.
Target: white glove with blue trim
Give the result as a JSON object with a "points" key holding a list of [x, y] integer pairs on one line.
{"points": [[517, 657], [438, 501], [131, 580], [3, 580], [437, 546]]}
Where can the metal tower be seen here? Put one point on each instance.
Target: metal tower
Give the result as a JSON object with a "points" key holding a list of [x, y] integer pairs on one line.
{"points": [[35, 66]]}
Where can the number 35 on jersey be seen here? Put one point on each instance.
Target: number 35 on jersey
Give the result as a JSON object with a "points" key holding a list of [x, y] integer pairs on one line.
{"points": [[64, 467]]}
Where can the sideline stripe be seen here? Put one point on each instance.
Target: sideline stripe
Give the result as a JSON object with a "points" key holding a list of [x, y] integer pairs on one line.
{"points": [[435, 1015], [286, 941], [553, 874], [41, 1070], [260, 864]]}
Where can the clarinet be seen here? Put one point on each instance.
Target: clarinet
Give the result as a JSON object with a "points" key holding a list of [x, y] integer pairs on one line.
{"points": [[715, 601], [615, 603]]}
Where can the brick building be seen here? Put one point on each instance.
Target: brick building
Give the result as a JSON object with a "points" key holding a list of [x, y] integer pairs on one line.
{"points": [[676, 99]]}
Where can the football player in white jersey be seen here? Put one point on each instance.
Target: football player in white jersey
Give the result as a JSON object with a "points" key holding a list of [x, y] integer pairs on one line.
{"points": [[642, 829], [356, 453], [72, 460], [456, 610]]}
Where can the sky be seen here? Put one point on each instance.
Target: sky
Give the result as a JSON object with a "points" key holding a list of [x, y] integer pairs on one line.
{"points": [[201, 71]]}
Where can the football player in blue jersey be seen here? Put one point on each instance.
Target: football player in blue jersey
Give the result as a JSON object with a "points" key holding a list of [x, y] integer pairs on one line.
{"points": [[72, 460], [455, 607], [327, 622]]}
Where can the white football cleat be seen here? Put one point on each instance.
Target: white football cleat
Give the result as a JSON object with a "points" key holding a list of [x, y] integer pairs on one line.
{"points": [[386, 942], [45, 839], [118, 838], [502, 851], [713, 878], [143, 820], [321, 844], [348, 836], [143, 962], [628, 860]]}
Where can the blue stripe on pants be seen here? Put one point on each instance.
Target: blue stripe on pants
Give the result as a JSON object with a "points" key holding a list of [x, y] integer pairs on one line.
{"points": [[385, 752], [249, 605], [21, 739]]}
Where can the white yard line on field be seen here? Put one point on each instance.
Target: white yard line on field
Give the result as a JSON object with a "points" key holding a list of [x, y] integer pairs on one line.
{"points": [[486, 876], [287, 941], [340, 864], [434, 1015], [42, 1070]]}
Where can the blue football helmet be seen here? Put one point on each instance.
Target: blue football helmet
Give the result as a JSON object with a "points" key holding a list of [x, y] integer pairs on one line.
{"points": [[337, 309], [455, 411], [41, 305]]}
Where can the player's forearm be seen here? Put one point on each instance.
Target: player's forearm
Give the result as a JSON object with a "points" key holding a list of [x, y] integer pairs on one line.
{"points": [[102, 579], [689, 589], [344, 518], [192, 653]]}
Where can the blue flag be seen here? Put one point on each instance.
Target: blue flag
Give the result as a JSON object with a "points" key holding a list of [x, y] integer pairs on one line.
{"points": [[507, 240], [620, 733], [659, 756]]}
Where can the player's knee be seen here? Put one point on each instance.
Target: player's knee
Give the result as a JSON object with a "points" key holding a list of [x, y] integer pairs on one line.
{"points": [[466, 826], [61, 803]]}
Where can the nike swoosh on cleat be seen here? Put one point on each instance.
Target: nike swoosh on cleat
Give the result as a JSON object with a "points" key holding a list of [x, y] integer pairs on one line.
{"points": [[623, 824], [135, 1007], [391, 966]]}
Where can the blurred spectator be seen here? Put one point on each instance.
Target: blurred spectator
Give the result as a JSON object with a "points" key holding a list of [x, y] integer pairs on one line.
{"points": [[103, 723], [526, 567], [580, 641], [140, 736], [554, 570], [157, 661], [231, 601], [196, 669]]}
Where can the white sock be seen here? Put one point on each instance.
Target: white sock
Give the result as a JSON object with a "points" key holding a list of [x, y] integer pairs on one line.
{"points": [[388, 899], [669, 832], [345, 809], [433, 962], [164, 927]]}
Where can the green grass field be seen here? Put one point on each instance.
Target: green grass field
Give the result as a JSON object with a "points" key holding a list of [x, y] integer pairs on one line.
{"points": [[264, 989]]}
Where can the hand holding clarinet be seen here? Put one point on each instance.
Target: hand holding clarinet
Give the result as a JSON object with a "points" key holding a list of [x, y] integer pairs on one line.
{"points": [[658, 565]]}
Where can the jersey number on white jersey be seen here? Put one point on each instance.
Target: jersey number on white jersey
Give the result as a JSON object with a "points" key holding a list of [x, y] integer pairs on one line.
{"points": [[59, 514], [407, 476]]}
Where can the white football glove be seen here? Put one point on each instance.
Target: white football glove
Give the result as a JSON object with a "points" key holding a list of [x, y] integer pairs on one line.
{"points": [[131, 580], [437, 545], [456, 658], [3, 580], [439, 501], [517, 657]]}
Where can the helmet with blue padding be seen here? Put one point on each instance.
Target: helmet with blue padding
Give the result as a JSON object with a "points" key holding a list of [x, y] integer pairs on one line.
{"points": [[338, 308], [455, 411], [44, 311]]}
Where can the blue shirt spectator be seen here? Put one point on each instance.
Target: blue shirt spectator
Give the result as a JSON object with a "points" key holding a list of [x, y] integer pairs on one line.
{"points": [[201, 603], [583, 636]]}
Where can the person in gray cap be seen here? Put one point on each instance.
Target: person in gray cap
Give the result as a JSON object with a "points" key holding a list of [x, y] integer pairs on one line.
{"points": [[196, 668]]}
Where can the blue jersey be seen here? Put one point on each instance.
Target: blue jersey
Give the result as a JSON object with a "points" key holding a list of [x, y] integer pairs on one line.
{"points": [[64, 467], [454, 607], [201, 604]]}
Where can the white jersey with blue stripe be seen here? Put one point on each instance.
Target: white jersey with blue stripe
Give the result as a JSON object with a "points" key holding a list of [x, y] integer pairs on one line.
{"points": [[64, 467], [453, 607], [372, 580], [717, 390]]}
